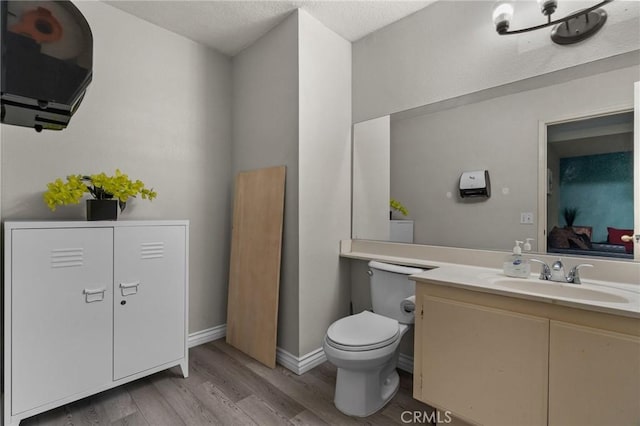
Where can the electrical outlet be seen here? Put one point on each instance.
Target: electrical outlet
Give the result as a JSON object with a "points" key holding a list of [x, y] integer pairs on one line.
{"points": [[526, 218]]}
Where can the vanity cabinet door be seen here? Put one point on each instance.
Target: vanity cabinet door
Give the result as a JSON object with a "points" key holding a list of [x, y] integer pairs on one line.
{"points": [[594, 376], [61, 315], [149, 298], [486, 365]]}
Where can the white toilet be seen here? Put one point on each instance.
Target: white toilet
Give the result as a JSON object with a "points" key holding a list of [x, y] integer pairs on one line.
{"points": [[364, 346]]}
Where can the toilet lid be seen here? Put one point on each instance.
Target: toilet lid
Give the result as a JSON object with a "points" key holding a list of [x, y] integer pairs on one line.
{"points": [[363, 331]]}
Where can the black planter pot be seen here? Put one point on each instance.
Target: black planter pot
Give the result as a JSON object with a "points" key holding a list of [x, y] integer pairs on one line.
{"points": [[102, 209]]}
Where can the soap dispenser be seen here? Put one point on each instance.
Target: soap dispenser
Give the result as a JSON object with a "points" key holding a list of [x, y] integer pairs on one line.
{"points": [[515, 265], [527, 244]]}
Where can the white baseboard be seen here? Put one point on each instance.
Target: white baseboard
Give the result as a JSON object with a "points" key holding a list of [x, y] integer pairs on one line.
{"points": [[207, 335], [405, 363], [300, 365], [314, 358]]}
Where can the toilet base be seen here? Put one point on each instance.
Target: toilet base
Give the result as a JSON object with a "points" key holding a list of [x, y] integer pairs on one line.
{"points": [[362, 393]]}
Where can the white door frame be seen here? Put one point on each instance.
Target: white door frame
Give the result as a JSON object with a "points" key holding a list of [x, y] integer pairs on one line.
{"points": [[636, 169], [542, 164]]}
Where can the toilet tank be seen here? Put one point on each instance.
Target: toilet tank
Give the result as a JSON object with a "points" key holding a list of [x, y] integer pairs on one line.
{"points": [[390, 284]]}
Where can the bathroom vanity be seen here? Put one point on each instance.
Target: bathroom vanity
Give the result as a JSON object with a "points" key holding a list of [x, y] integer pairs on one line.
{"points": [[495, 350], [500, 351]]}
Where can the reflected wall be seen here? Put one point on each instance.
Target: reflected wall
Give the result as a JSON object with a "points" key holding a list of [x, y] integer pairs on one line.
{"points": [[430, 151]]}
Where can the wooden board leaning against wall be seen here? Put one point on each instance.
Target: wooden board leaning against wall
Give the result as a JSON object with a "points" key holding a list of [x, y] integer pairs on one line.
{"points": [[254, 273]]}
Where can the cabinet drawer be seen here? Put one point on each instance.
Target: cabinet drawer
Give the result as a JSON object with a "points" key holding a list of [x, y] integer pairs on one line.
{"points": [[61, 313]]}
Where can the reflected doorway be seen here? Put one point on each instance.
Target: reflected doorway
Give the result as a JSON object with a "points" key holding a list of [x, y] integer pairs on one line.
{"points": [[590, 186]]}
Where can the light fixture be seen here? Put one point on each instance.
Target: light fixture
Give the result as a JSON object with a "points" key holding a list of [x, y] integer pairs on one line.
{"points": [[571, 29]]}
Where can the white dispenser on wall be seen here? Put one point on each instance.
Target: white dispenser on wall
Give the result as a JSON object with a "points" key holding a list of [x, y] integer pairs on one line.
{"points": [[475, 184], [515, 265]]}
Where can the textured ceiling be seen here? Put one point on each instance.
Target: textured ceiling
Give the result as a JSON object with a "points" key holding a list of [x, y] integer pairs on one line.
{"points": [[230, 26]]}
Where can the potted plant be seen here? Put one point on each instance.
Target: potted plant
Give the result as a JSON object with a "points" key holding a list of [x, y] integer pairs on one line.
{"points": [[397, 206], [569, 214], [108, 192]]}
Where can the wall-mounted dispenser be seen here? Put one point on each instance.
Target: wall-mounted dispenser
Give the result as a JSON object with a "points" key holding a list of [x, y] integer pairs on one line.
{"points": [[475, 184], [47, 58]]}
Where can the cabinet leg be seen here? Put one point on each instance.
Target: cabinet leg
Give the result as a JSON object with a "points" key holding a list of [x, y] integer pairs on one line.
{"points": [[184, 367], [8, 422]]}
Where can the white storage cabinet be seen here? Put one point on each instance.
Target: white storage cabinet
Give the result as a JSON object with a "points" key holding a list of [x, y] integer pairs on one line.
{"points": [[401, 231], [89, 306]]}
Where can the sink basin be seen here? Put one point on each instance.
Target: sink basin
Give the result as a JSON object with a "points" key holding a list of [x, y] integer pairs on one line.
{"points": [[553, 289]]}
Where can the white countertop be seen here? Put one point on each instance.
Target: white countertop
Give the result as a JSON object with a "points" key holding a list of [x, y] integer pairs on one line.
{"points": [[490, 280], [408, 261]]}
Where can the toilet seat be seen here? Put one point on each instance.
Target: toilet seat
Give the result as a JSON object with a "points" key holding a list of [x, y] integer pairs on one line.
{"points": [[362, 332]]}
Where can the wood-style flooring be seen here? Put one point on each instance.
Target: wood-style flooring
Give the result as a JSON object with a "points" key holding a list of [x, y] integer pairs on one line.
{"points": [[225, 387]]}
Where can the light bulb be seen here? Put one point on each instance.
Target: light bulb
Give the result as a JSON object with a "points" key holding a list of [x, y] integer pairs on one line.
{"points": [[502, 15], [547, 7]]}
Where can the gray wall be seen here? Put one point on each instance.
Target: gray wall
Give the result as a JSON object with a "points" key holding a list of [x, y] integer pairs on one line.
{"points": [[164, 109], [158, 109], [292, 106], [450, 48], [265, 133], [371, 179], [325, 178], [429, 152], [419, 66]]}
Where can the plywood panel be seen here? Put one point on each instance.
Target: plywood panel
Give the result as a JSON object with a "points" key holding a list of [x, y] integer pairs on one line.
{"points": [[254, 275]]}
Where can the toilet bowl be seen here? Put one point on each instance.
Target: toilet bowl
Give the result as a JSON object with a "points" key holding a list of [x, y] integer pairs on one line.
{"points": [[367, 378], [364, 347]]}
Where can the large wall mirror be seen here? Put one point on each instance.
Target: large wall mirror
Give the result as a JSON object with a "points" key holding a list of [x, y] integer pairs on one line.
{"points": [[502, 130]]}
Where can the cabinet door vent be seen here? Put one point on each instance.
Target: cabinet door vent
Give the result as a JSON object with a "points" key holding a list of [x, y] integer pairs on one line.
{"points": [[67, 257], [152, 250]]}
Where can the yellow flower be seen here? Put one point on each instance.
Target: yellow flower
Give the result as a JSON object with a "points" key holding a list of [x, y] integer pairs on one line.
{"points": [[397, 205], [61, 193], [100, 186]]}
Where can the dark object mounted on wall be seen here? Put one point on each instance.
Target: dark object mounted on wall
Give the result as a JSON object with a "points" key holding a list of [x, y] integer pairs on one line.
{"points": [[47, 58], [475, 184]]}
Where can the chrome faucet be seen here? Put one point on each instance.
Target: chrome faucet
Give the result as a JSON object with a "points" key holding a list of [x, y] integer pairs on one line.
{"points": [[574, 276], [545, 272], [556, 272]]}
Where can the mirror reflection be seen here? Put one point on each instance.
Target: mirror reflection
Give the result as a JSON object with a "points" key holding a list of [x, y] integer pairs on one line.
{"points": [[590, 186], [502, 131]]}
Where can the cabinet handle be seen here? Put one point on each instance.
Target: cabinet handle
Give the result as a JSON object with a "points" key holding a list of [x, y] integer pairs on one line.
{"points": [[128, 289], [96, 295]]}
